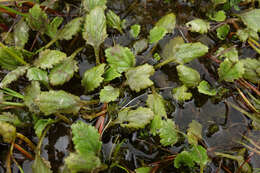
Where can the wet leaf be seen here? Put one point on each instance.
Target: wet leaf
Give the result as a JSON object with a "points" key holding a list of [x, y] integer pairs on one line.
{"points": [[52, 28], [183, 158], [199, 155], [31, 93], [21, 34], [8, 117], [7, 131], [156, 124], [188, 76], [40, 165], [168, 133], [113, 20], [70, 29], [138, 118], [194, 132], [143, 170], [91, 4], [251, 66], [243, 34], [41, 124], [36, 74], [198, 25], [218, 16], [181, 94], [156, 34], [63, 72], [7, 61], [140, 45], [48, 58], [171, 47], [111, 74], [251, 19], [120, 58], [229, 53], [93, 77], [135, 30], [138, 77], [205, 88], [223, 31], [230, 71], [58, 102], [13, 76], [108, 94], [156, 103], [168, 22]]}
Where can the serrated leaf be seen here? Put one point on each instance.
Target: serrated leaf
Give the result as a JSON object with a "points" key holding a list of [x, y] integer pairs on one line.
{"points": [[168, 133], [40, 165], [139, 46], [120, 58], [21, 34], [36, 74], [198, 25], [111, 74], [70, 29], [228, 53], [11, 118], [31, 93], [156, 103], [48, 58], [199, 155], [138, 118], [86, 139], [113, 20], [7, 131], [143, 170], [168, 22], [181, 94], [52, 28], [58, 102], [135, 30], [243, 34], [223, 31], [230, 71], [205, 88], [188, 76], [108, 94], [13, 76], [156, 124], [194, 132], [156, 34], [138, 77], [183, 158], [91, 4], [251, 66], [93, 77], [7, 61], [251, 19], [63, 72], [218, 16], [41, 124]]}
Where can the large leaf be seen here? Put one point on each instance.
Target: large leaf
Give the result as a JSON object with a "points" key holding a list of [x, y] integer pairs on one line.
{"points": [[198, 25], [113, 20], [251, 19], [63, 72], [11, 118], [71, 29], [93, 77], [168, 22], [168, 133], [188, 76], [156, 103], [86, 139], [199, 155], [252, 66], [7, 61], [108, 94], [156, 34], [205, 88], [41, 124], [183, 158], [52, 28], [21, 34], [48, 58], [36, 74], [58, 102], [120, 58], [138, 77], [138, 118], [230, 71], [91, 4], [7, 131], [13, 76], [40, 165], [194, 132], [180, 93], [31, 93]]}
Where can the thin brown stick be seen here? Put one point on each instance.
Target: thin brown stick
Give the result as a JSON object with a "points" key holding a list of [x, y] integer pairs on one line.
{"points": [[23, 151]]}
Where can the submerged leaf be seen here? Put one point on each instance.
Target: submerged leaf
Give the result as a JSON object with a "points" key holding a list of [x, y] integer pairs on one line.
{"points": [[108, 94], [52, 28], [91, 4], [183, 158], [36, 74], [114, 21], [13, 76], [188, 76], [230, 71], [21, 34], [7, 131], [168, 22], [41, 124], [70, 29], [251, 19], [170, 48], [198, 25], [194, 132], [11, 118], [181, 94], [139, 46], [31, 93], [168, 133], [40, 165], [156, 34], [135, 30], [205, 88]]}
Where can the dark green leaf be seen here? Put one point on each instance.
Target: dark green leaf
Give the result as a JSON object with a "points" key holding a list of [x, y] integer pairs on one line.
{"points": [[168, 133], [7, 131], [188, 76], [108, 94], [181, 94], [7, 61], [113, 20], [223, 31], [71, 29], [41, 124], [13, 76], [40, 165], [52, 28], [111, 74], [21, 34], [11, 118], [205, 88], [230, 71], [183, 158]]}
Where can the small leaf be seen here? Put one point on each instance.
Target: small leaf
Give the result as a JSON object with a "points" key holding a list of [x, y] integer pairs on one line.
{"points": [[181, 94], [138, 77], [36, 74], [156, 103], [168, 133], [229, 53], [93, 77], [52, 28], [120, 58], [205, 88], [31, 93], [41, 124], [188, 76], [156, 124], [91, 4], [48, 58], [229, 71], [135, 30], [198, 25], [21, 33], [194, 132], [218, 16], [168, 22], [63, 72], [40, 165], [143, 170], [114, 21], [58, 102], [111, 74], [108, 94], [183, 158], [11, 118], [243, 34], [223, 31], [13, 76], [251, 66], [138, 118], [156, 34], [199, 155], [251, 19], [70, 29], [139, 46], [7, 61], [7, 131]]}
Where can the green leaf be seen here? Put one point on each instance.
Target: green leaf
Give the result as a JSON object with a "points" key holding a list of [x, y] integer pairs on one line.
{"points": [[37, 19], [86, 139], [111, 74], [156, 103], [156, 124], [70, 29], [139, 46], [138, 77], [223, 31], [108, 94], [251, 19], [199, 155], [218, 16], [40, 165], [89, 5], [113, 20], [48, 58], [52, 28], [31, 93], [36, 74], [168, 133], [167, 22], [217, 2], [198, 25], [251, 66], [7, 131], [58, 102], [93, 77], [143, 170], [205, 88], [138, 118], [181, 94], [7, 61], [229, 53], [188, 76], [120, 58], [183, 158], [156, 34], [13, 76], [21, 33], [11, 118], [135, 30], [41, 124], [63, 72], [230, 71], [243, 34], [171, 47], [194, 132]]}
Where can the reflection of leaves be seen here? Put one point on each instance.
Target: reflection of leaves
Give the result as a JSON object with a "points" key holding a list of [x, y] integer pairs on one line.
{"points": [[251, 19], [230, 71], [198, 25], [194, 132], [188, 76], [181, 94], [205, 88], [13, 76], [168, 133]]}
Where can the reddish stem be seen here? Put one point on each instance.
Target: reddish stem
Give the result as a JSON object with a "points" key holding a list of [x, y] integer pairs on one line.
{"points": [[23, 151]]}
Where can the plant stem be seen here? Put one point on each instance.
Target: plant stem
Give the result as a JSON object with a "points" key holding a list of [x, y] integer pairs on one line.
{"points": [[254, 45], [47, 45], [13, 104], [96, 49], [23, 151], [13, 11], [63, 118], [163, 63], [76, 52], [26, 140]]}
